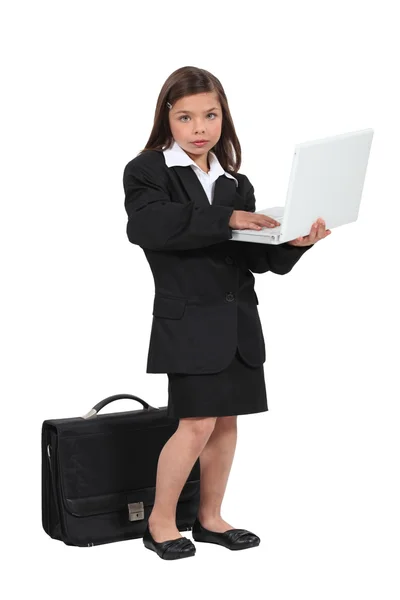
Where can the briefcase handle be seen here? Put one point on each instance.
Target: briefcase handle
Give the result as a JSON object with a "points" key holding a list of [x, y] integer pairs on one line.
{"points": [[106, 401]]}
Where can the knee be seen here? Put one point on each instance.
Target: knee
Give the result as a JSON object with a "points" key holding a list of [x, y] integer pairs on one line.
{"points": [[199, 427], [229, 422]]}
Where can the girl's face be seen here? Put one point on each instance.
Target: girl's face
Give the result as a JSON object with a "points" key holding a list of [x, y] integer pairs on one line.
{"points": [[194, 118]]}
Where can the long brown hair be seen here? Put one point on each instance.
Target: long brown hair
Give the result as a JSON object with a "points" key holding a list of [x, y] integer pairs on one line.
{"points": [[187, 81]]}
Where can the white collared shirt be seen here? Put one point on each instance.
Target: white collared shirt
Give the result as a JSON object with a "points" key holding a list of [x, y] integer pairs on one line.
{"points": [[176, 156]]}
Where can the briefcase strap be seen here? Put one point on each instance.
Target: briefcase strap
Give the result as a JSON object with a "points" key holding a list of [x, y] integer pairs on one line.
{"points": [[97, 407]]}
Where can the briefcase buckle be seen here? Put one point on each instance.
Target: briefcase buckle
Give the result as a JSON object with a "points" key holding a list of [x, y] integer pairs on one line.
{"points": [[136, 511]]}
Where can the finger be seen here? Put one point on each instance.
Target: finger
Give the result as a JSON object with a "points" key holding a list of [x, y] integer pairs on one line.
{"points": [[267, 221], [263, 224], [304, 240], [324, 232], [313, 233], [300, 241], [253, 226]]}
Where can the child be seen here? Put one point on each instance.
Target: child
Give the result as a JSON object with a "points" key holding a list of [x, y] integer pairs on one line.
{"points": [[183, 197]]}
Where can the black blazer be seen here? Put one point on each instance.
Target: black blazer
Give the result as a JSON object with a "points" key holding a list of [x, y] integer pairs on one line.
{"points": [[205, 305]]}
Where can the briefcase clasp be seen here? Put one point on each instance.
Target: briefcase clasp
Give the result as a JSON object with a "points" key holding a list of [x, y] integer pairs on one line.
{"points": [[136, 511]]}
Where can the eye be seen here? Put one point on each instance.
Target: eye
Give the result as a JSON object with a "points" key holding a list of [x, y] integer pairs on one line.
{"points": [[184, 116]]}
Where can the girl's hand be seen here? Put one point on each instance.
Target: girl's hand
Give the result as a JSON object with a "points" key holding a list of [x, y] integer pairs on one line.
{"points": [[243, 219], [318, 232]]}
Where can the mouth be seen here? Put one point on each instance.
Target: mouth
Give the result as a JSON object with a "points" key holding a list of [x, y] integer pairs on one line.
{"points": [[200, 142]]}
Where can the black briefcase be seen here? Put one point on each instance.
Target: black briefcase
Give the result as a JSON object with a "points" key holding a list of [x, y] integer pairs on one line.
{"points": [[99, 474]]}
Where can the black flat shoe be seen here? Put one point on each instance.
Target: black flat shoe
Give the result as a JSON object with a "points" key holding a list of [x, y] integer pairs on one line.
{"points": [[234, 539], [170, 549]]}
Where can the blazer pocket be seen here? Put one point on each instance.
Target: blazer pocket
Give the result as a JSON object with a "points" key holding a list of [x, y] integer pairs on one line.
{"points": [[169, 308]]}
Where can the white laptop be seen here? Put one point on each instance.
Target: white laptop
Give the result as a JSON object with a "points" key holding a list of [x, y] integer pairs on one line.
{"points": [[326, 181]]}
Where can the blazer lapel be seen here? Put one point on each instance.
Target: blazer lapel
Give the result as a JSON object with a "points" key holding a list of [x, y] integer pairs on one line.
{"points": [[225, 191]]}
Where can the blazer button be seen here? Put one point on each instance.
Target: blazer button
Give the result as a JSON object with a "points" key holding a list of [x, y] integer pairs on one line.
{"points": [[229, 297], [229, 260]]}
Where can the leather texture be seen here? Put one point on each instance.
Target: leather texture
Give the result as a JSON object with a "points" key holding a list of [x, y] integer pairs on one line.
{"points": [[91, 493], [170, 549], [205, 305], [233, 539]]}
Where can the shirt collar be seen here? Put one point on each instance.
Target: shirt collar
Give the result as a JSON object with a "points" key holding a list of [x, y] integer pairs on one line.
{"points": [[176, 156]]}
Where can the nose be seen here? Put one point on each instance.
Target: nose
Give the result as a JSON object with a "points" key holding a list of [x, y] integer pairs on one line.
{"points": [[199, 125]]}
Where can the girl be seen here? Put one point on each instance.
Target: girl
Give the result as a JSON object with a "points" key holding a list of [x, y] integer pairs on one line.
{"points": [[183, 197]]}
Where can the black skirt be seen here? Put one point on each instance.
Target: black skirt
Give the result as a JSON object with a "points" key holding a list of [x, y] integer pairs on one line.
{"points": [[237, 390]]}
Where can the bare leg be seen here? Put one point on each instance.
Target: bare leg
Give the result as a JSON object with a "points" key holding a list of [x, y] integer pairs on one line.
{"points": [[175, 462], [215, 464]]}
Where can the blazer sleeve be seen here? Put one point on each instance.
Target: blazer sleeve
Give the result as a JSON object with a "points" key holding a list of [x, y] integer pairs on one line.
{"points": [[260, 258], [155, 222]]}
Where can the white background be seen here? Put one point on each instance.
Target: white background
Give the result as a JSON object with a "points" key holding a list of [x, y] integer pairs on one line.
{"points": [[316, 476]]}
